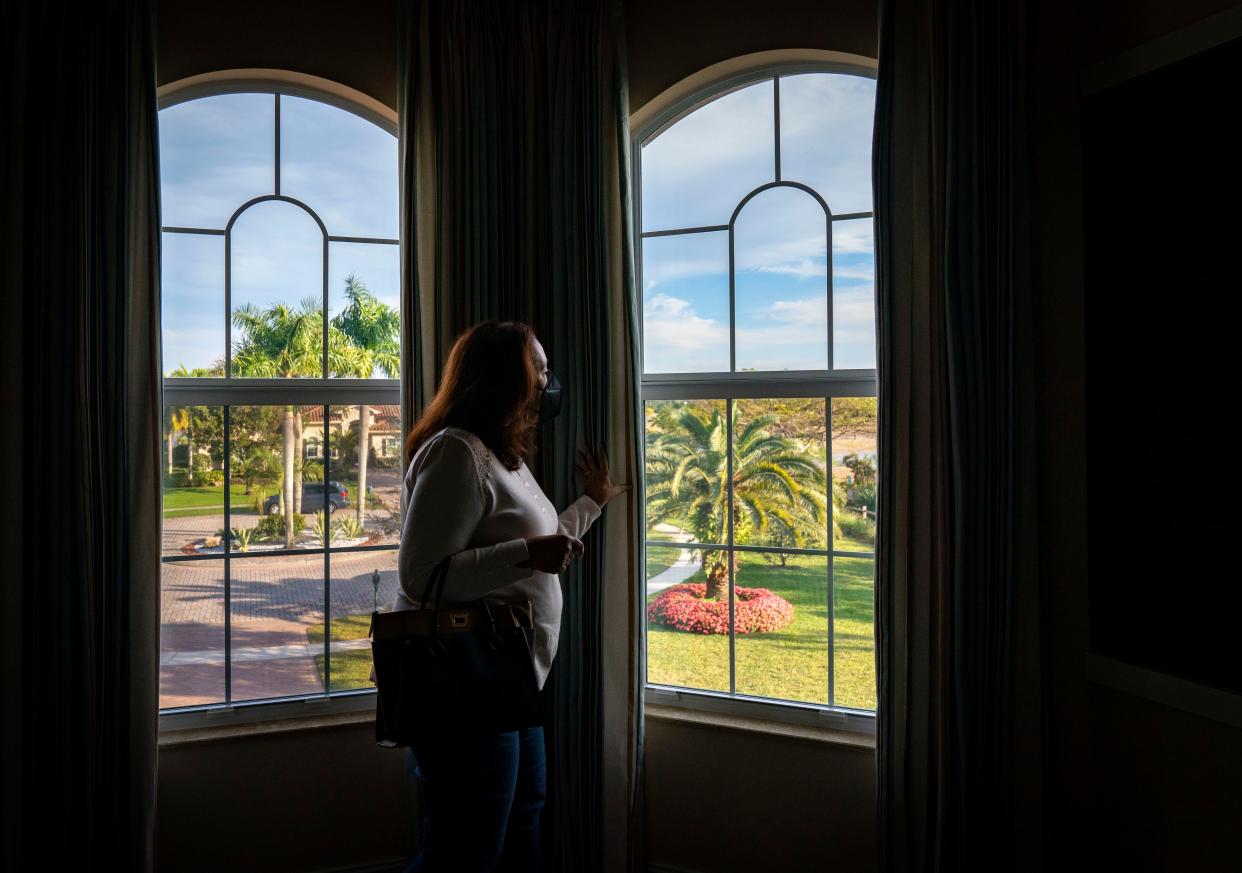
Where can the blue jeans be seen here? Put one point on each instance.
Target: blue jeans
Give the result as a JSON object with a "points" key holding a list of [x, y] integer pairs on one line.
{"points": [[481, 799]]}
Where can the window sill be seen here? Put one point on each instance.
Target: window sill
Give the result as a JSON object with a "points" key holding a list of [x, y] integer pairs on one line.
{"points": [[854, 738], [254, 719], [194, 736]]}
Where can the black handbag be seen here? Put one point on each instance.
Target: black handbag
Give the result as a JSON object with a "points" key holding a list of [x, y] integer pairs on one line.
{"points": [[456, 670]]}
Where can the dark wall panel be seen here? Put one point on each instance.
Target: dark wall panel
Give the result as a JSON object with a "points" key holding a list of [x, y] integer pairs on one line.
{"points": [[1162, 182]]}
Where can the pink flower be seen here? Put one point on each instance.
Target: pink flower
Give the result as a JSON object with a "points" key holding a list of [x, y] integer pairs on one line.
{"points": [[686, 607]]}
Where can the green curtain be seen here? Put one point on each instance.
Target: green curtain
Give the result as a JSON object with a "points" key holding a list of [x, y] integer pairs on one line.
{"points": [[959, 751], [515, 204], [80, 610]]}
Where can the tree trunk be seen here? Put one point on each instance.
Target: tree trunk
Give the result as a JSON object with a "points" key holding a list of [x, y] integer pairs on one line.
{"points": [[287, 485], [300, 452], [171, 434], [717, 579], [364, 451]]}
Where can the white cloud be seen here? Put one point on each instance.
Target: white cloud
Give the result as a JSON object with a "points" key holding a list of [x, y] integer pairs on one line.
{"points": [[853, 237], [811, 311], [660, 271], [785, 335], [806, 268], [697, 171], [677, 339]]}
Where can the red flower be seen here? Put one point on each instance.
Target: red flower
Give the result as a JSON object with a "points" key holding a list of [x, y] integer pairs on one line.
{"points": [[686, 608]]}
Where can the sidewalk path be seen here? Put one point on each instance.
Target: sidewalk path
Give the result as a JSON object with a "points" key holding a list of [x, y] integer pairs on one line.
{"points": [[685, 567], [259, 653]]}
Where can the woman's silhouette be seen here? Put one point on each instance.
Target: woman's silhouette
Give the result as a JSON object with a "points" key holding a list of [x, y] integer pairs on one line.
{"points": [[468, 494]]}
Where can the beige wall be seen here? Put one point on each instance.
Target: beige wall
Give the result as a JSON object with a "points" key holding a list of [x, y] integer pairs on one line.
{"points": [[309, 800], [723, 800], [354, 44]]}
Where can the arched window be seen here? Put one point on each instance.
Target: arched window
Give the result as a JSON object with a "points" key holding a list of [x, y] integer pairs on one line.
{"points": [[757, 274], [281, 314]]}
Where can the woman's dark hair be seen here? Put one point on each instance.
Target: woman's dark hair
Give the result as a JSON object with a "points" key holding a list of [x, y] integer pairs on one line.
{"points": [[488, 383]]}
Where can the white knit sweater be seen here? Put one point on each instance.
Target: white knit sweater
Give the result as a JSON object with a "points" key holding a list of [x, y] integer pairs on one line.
{"points": [[459, 499]]}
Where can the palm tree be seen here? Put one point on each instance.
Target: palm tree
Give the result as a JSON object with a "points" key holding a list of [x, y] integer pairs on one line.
{"points": [[176, 420], [778, 484], [284, 342], [374, 328], [255, 465]]}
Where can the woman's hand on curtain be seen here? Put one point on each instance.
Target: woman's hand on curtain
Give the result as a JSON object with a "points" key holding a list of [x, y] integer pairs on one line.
{"points": [[594, 469]]}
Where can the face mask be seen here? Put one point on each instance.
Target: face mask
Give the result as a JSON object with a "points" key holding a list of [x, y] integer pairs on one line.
{"points": [[550, 401]]}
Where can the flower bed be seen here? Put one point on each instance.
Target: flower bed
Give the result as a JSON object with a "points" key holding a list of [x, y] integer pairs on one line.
{"points": [[686, 608]]}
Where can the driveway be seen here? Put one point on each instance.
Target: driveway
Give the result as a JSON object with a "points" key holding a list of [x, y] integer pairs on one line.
{"points": [[274, 601]]}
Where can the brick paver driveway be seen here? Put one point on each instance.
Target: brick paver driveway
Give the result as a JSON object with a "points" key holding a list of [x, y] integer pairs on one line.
{"points": [[274, 601]]}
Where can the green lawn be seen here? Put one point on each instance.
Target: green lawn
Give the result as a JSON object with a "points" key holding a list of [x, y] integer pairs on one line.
{"points": [[349, 669], [792, 663], [204, 500], [344, 627], [209, 499]]}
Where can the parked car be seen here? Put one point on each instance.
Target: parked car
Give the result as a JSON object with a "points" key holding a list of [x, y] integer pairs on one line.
{"points": [[313, 498]]}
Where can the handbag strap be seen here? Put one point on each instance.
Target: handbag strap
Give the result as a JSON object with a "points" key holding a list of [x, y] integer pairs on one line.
{"points": [[439, 575]]}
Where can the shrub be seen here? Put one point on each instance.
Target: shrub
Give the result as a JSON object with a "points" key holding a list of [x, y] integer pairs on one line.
{"points": [[862, 468], [323, 529], [389, 524], [857, 527], [243, 537], [686, 608], [272, 527], [350, 528], [863, 496], [206, 476]]}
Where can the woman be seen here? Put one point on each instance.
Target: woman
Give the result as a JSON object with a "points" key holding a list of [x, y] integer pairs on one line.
{"points": [[469, 494]]}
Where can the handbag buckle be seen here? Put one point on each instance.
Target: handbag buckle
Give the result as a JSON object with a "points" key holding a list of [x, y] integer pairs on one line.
{"points": [[458, 619]]}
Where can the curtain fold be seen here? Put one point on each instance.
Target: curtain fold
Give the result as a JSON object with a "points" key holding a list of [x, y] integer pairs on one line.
{"points": [[81, 585], [516, 204], [960, 755]]}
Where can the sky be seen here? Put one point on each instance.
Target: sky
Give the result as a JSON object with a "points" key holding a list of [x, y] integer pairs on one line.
{"points": [[218, 152], [696, 173]]}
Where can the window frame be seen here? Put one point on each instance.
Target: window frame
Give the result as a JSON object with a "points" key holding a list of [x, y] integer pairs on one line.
{"points": [[232, 391], [826, 384]]}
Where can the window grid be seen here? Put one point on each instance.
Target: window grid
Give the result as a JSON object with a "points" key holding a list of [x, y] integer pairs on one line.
{"points": [[231, 391], [735, 385]]}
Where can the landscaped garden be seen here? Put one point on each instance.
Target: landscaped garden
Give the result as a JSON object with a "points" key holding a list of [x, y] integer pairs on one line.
{"points": [[766, 484], [790, 663]]}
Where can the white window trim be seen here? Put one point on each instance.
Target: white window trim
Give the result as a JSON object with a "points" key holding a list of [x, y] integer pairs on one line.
{"points": [[202, 720], [666, 109]]}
